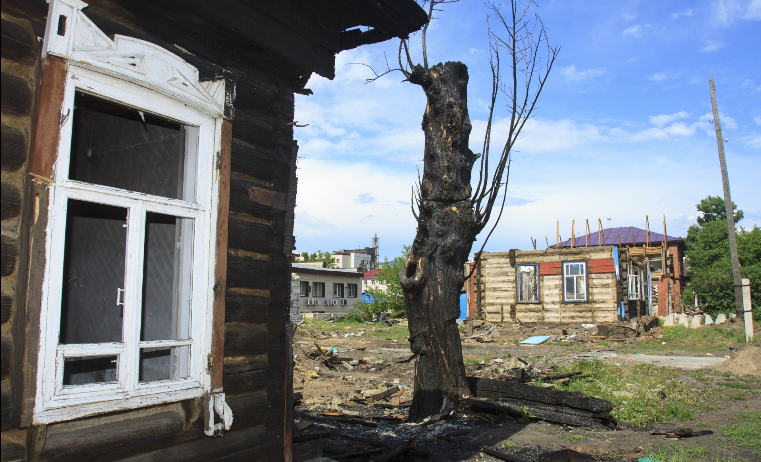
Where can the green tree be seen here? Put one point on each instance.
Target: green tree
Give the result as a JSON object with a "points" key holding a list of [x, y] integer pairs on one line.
{"points": [[388, 274], [709, 263], [319, 256], [713, 209]]}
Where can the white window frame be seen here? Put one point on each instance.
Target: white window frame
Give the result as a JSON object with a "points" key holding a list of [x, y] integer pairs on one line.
{"points": [[338, 290], [565, 286], [193, 106], [349, 290], [302, 286], [316, 292]]}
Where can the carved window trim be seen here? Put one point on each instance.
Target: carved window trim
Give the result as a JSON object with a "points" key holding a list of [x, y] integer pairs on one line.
{"points": [[142, 75]]}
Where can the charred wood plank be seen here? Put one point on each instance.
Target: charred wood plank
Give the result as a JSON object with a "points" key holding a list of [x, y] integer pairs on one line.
{"points": [[5, 410], [15, 95], [13, 152], [245, 340], [396, 451], [488, 388], [11, 200], [553, 415], [502, 456], [6, 306], [13, 452], [6, 355], [8, 256], [18, 44]]}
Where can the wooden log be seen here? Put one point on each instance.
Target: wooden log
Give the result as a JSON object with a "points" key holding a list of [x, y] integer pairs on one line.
{"points": [[502, 456], [245, 340], [18, 44], [15, 95], [12, 452], [488, 388], [307, 450], [519, 409], [396, 451], [6, 307], [8, 255], [13, 148], [241, 308], [11, 201], [5, 409]]}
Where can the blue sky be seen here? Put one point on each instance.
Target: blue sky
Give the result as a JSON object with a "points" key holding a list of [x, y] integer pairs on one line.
{"points": [[622, 131]]}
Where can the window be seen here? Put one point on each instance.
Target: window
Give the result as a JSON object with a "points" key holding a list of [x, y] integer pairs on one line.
{"points": [[338, 290], [527, 283], [633, 287], [318, 289], [351, 290], [304, 289], [127, 288], [574, 281]]}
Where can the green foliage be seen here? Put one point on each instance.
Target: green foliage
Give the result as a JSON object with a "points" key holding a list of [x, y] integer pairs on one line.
{"points": [[677, 453], [319, 256], [355, 315], [710, 265], [388, 274], [525, 415]]}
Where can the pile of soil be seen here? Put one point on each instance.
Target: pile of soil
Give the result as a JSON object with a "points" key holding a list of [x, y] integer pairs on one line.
{"points": [[746, 362]]}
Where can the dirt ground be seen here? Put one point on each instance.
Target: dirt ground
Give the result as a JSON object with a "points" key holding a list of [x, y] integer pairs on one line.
{"points": [[335, 391]]}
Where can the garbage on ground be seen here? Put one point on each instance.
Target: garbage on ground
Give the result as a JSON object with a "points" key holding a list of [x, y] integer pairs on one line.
{"points": [[535, 340]]}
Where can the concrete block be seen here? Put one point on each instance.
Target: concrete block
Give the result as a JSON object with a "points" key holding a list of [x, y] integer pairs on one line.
{"points": [[696, 321], [709, 320], [683, 320], [720, 318], [669, 322]]}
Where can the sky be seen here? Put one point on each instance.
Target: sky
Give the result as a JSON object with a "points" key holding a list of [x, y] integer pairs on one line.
{"points": [[622, 130]]}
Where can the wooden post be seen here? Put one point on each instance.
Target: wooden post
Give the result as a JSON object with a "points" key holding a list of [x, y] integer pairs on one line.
{"points": [[557, 233], [619, 239], [469, 325], [647, 232], [533, 241], [747, 311], [573, 234], [547, 241], [727, 204], [587, 236], [599, 232]]}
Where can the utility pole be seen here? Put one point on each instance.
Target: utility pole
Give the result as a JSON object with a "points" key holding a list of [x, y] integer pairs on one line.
{"points": [[728, 205]]}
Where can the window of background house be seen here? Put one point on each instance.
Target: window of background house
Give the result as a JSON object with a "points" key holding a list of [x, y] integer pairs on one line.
{"points": [[304, 289], [351, 290], [318, 289], [338, 290], [127, 288], [527, 283], [574, 284]]}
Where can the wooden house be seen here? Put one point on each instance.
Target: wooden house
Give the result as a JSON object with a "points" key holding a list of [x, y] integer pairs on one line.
{"points": [[554, 285], [148, 187]]}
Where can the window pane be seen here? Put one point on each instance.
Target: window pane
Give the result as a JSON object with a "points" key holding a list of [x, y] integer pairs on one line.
{"points": [[570, 287], [164, 363], [93, 369], [304, 289], [117, 146], [167, 266], [93, 273]]}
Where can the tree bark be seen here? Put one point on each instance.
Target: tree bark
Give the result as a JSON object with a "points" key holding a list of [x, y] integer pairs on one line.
{"points": [[433, 273]]}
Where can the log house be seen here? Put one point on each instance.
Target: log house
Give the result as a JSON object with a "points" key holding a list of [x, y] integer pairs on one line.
{"points": [[148, 187]]}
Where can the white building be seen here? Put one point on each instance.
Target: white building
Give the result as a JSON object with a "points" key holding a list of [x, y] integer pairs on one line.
{"points": [[370, 281], [326, 292], [353, 260]]}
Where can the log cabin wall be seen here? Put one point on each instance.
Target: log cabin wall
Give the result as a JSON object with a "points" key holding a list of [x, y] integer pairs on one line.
{"points": [[262, 189], [496, 292]]}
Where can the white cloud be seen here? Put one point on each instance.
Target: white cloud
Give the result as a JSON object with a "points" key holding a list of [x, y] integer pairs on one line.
{"points": [[571, 73], [633, 31], [687, 12], [727, 122], [663, 119], [711, 45], [754, 142], [752, 85], [629, 17], [666, 75], [539, 136], [727, 11], [757, 119]]}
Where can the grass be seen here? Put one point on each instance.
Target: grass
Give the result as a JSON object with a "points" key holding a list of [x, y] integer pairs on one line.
{"points": [[382, 331], [470, 360], [677, 453], [745, 433], [573, 438], [707, 338]]}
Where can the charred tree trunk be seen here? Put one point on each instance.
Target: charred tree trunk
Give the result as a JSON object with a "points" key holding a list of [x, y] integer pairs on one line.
{"points": [[434, 271]]}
